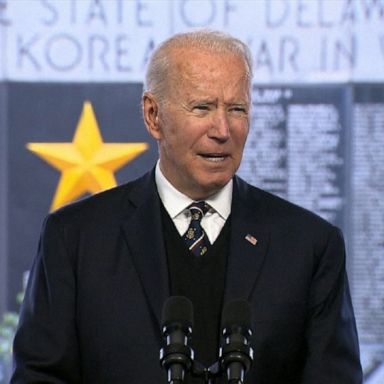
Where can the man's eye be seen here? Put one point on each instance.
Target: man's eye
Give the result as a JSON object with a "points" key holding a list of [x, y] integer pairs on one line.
{"points": [[201, 107], [238, 109]]}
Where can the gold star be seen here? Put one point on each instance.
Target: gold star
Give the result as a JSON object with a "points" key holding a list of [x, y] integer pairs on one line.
{"points": [[87, 163]]}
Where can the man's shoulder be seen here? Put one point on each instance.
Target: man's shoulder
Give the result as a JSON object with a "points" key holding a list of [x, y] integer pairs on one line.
{"points": [[108, 204], [276, 209]]}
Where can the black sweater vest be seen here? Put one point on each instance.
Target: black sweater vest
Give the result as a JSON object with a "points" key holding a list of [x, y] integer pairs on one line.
{"points": [[202, 280]]}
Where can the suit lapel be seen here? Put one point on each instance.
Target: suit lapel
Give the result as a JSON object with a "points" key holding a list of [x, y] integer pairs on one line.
{"points": [[142, 228], [245, 259], [143, 232]]}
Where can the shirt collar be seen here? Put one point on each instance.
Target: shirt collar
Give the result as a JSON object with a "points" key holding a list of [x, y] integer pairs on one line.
{"points": [[175, 202]]}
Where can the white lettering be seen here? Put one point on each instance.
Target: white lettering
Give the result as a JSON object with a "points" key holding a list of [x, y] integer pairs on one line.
{"points": [[98, 51], [141, 11], [4, 21], [203, 18], [52, 13], [276, 13], [24, 51], [63, 52]]}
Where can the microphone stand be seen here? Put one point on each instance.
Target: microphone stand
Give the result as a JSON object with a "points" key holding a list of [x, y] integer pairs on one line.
{"points": [[237, 352], [208, 374], [235, 356]]}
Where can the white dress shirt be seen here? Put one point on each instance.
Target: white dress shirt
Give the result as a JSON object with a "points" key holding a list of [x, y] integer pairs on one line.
{"points": [[176, 204]]}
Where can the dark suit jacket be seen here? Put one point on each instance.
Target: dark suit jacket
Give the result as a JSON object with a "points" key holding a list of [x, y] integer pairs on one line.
{"points": [[92, 308]]}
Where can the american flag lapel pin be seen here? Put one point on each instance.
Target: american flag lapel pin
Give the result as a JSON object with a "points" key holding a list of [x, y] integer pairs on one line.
{"points": [[251, 239]]}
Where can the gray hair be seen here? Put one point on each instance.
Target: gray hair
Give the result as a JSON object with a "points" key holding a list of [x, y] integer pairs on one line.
{"points": [[156, 78]]}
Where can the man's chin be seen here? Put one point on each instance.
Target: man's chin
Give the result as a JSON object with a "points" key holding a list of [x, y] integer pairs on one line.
{"points": [[209, 186]]}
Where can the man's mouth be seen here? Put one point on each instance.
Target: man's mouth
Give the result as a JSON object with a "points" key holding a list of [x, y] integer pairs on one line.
{"points": [[215, 157]]}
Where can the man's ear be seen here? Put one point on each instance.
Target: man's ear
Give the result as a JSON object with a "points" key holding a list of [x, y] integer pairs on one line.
{"points": [[151, 115]]}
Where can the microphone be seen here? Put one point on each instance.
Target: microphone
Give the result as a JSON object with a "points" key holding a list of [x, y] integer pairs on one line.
{"points": [[177, 321], [236, 355]]}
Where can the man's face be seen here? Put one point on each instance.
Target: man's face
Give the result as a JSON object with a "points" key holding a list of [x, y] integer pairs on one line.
{"points": [[202, 125]]}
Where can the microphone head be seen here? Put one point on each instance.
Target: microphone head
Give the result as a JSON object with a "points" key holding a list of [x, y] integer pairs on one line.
{"points": [[237, 317], [177, 311], [176, 320]]}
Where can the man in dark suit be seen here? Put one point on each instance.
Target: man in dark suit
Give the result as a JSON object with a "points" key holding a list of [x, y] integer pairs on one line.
{"points": [[105, 265]]}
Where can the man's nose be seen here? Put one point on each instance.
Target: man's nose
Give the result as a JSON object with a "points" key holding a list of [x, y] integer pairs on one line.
{"points": [[220, 127]]}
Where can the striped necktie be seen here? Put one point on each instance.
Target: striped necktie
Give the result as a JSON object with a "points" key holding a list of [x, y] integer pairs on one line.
{"points": [[195, 237]]}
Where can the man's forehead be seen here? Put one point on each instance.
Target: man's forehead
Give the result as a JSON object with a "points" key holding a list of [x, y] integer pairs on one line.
{"points": [[200, 73]]}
